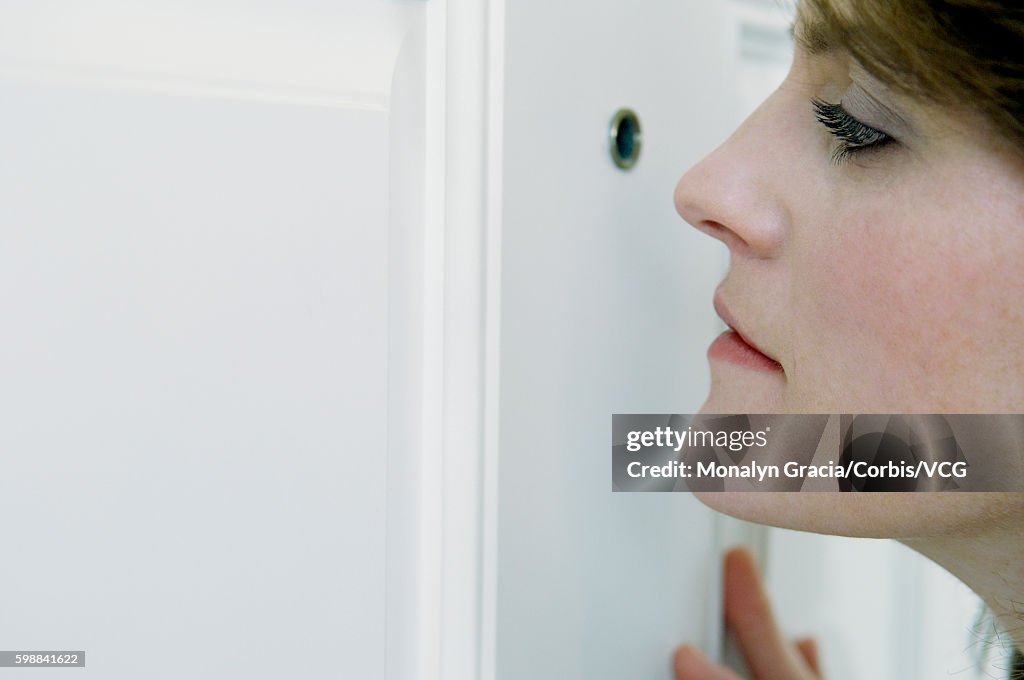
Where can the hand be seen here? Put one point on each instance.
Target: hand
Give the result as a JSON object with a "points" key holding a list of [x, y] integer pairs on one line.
{"points": [[749, 614]]}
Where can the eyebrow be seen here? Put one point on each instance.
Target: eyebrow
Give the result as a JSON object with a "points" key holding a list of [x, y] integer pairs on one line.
{"points": [[812, 37]]}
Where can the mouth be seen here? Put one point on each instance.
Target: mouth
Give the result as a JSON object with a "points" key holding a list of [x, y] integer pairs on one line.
{"points": [[735, 347]]}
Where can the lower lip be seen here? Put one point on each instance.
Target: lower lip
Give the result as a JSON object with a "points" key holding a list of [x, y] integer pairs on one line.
{"points": [[729, 346]]}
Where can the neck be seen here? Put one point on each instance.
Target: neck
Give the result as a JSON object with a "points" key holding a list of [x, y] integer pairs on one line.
{"points": [[989, 562]]}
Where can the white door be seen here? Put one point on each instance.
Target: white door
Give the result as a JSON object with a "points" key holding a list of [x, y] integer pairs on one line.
{"points": [[194, 265], [606, 308]]}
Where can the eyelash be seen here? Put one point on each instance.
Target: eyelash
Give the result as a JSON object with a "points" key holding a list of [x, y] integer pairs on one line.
{"points": [[853, 135]]}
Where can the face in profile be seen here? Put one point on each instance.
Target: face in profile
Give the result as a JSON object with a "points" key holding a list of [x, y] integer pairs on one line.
{"points": [[875, 244]]}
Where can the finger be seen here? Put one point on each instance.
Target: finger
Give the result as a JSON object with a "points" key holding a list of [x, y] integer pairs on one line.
{"points": [[748, 612], [808, 649], [692, 664]]}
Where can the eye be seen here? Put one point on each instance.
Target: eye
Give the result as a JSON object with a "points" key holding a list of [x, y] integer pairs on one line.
{"points": [[853, 135]]}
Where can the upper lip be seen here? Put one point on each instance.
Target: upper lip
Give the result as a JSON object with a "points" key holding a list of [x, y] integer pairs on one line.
{"points": [[725, 315]]}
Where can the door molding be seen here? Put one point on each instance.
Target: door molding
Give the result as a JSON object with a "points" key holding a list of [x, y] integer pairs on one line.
{"points": [[461, 323]]}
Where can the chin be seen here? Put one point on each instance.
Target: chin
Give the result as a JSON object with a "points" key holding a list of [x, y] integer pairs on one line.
{"points": [[870, 515], [905, 515]]}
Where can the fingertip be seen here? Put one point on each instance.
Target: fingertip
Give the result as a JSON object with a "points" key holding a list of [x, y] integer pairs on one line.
{"points": [[740, 557], [807, 643], [689, 654], [808, 648], [744, 593], [693, 664], [689, 662]]}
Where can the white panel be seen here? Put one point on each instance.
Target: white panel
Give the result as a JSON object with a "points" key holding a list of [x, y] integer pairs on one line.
{"points": [[197, 301], [194, 372], [606, 308]]}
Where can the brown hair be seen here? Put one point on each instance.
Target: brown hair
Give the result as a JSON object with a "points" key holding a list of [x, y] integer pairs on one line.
{"points": [[966, 53]]}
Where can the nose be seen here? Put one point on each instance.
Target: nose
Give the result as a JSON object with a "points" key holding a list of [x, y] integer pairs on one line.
{"points": [[736, 193]]}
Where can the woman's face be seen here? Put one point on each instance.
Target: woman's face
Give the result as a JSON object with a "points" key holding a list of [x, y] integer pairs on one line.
{"points": [[887, 282]]}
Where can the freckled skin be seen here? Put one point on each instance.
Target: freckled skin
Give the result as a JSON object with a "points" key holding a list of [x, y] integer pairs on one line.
{"points": [[890, 284]]}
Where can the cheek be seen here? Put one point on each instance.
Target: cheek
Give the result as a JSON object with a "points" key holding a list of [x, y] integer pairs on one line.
{"points": [[878, 303]]}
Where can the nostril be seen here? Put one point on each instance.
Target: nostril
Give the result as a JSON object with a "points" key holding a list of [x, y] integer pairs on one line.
{"points": [[719, 231]]}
